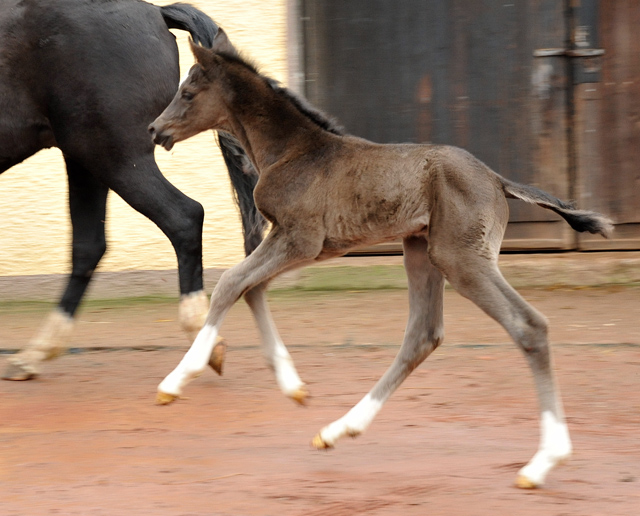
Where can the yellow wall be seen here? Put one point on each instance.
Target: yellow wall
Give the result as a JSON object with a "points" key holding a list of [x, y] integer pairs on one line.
{"points": [[34, 223]]}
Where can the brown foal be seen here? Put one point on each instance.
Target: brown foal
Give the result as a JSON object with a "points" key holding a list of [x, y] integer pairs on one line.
{"points": [[326, 193]]}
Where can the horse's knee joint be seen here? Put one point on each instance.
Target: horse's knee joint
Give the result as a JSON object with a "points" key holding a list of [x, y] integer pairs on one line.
{"points": [[186, 234]]}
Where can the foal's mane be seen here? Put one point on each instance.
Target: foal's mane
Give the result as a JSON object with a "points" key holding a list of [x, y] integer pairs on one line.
{"points": [[300, 103]]}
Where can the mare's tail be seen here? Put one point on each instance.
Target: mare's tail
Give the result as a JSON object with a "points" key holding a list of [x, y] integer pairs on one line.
{"points": [[580, 220], [181, 16], [243, 176]]}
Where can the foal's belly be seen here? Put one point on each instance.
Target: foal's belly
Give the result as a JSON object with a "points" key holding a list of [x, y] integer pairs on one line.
{"points": [[346, 231]]}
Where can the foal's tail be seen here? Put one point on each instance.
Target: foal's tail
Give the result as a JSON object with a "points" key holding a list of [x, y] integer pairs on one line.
{"points": [[181, 16], [243, 176], [580, 220]]}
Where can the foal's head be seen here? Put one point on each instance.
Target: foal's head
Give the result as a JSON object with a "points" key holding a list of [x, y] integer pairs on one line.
{"points": [[202, 100], [219, 80]]}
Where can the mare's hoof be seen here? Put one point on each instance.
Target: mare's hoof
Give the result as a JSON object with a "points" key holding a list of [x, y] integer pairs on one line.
{"points": [[300, 396], [164, 398], [15, 373], [319, 444], [217, 356], [525, 483]]}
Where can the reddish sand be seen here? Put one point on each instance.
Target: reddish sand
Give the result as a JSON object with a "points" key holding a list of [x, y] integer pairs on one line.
{"points": [[87, 439]]}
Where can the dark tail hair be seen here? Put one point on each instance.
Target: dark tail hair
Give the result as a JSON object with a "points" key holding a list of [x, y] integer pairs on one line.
{"points": [[580, 220], [243, 178], [181, 16]]}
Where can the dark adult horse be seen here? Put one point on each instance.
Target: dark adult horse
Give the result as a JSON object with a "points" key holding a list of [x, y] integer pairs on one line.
{"points": [[88, 76]]}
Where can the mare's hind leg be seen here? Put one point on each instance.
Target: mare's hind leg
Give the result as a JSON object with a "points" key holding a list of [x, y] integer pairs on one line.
{"points": [[87, 207], [275, 351], [479, 279], [424, 333]]}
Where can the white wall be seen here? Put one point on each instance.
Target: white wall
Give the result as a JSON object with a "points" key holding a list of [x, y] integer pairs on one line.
{"points": [[34, 224]]}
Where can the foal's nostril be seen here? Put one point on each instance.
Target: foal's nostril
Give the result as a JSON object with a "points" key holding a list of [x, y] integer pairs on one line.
{"points": [[151, 129]]}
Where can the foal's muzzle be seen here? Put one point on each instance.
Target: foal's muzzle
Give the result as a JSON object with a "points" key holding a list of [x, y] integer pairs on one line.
{"points": [[161, 138]]}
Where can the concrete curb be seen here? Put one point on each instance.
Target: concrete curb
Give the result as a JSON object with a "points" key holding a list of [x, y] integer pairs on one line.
{"points": [[553, 270]]}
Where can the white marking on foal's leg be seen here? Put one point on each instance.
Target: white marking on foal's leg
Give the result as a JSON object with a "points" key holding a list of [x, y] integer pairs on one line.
{"points": [[191, 366], [49, 342], [275, 351], [555, 448], [286, 375], [353, 423], [193, 310]]}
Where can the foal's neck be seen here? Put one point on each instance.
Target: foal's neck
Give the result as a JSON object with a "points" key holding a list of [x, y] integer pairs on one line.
{"points": [[270, 128]]}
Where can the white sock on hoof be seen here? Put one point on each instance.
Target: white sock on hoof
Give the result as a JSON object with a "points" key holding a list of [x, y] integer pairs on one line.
{"points": [[354, 422], [50, 341], [555, 447], [192, 364], [286, 375]]}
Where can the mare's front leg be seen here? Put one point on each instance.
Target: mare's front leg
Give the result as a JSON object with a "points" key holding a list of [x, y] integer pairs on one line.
{"points": [[275, 254], [424, 333], [275, 352], [87, 207]]}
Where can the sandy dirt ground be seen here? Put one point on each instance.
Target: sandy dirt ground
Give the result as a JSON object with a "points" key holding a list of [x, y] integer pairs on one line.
{"points": [[86, 438]]}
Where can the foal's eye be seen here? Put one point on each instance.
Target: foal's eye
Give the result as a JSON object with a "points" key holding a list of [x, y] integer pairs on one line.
{"points": [[187, 95]]}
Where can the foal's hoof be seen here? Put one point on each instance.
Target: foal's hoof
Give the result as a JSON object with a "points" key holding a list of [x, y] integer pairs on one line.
{"points": [[525, 483], [300, 395], [15, 373], [217, 356], [319, 444], [164, 398]]}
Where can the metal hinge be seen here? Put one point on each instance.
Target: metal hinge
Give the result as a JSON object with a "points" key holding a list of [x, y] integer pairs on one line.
{"points": [[576, 52]]}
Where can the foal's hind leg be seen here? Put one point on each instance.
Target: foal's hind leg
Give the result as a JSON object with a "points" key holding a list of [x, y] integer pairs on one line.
{"points": [[480, 280], [424, 333], [87, 207], [275, 351]]}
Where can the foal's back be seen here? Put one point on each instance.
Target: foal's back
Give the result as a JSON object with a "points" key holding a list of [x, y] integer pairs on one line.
{"points": [[366, 193]]}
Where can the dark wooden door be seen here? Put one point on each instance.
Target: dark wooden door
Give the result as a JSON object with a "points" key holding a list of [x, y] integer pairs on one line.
{"points": [[501, 79], [607, 117]]}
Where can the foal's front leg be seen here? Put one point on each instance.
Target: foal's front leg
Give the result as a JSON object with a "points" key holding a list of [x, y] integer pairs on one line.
{"points": [[275, 254]]}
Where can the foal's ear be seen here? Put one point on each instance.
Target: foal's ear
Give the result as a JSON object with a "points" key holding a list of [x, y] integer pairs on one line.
{"points": [[222, 44], [203, 55]]}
